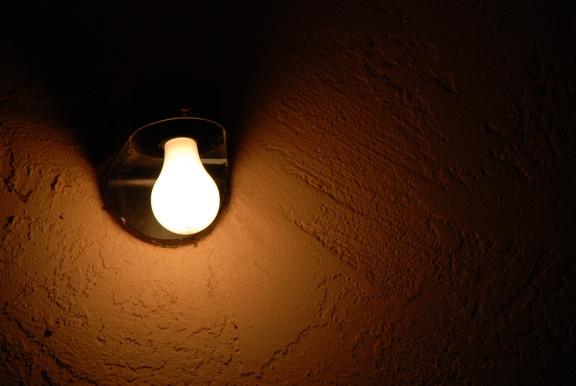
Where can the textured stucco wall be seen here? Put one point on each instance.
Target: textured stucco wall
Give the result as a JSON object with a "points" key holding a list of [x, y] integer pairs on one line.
{"points": [[402, 205]]}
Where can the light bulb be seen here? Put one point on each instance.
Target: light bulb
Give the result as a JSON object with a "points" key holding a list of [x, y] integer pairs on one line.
{"points": [[185, 199]]}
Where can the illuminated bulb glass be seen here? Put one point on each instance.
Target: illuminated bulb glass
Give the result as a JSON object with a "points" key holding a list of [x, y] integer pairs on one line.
{"points": [[185, 199]]}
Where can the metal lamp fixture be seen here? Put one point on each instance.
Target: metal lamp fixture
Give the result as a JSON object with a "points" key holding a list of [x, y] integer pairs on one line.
{"points": [[168, 185]]}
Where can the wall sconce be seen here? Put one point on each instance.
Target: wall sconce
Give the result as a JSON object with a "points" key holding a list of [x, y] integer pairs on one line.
{"points": [[168, 185]]}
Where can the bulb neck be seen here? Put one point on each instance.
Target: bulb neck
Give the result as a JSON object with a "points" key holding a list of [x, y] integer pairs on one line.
{"points": [[181, 149]]}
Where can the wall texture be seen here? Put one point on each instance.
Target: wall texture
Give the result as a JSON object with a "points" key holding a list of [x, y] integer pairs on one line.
{"points": [[402, 206]]}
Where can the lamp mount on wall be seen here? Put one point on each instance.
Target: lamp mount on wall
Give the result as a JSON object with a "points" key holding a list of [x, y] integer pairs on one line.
{"points": [[168, 184]]}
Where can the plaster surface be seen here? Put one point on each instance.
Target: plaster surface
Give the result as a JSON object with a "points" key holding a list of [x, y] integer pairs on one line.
{"points": [[402, 196]]}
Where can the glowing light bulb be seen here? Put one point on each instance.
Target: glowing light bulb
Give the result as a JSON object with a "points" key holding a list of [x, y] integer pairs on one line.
{"points": [[185, 199]]}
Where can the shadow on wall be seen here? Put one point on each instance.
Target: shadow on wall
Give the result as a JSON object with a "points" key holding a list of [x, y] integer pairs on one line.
{"points": [[89, 55]]}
